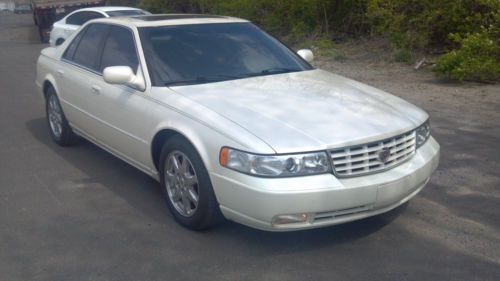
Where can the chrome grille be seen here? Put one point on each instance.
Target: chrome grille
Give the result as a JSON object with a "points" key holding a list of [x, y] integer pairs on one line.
{"points": [[364, 159]]}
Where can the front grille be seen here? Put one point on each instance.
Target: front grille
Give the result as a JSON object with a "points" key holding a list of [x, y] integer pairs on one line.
{"points": [[364, 159]]}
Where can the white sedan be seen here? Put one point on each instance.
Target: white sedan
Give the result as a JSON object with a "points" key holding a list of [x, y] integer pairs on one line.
{"points": [[63, 28], [234, 124]]}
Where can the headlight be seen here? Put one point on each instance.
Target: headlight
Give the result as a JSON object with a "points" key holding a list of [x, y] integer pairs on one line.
{"points": [[291, 165], [423, 133]]}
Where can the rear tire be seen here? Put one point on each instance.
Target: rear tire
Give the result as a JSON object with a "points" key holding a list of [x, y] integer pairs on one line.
{"points": [[59, 128], [187, 188], [59, 41]]}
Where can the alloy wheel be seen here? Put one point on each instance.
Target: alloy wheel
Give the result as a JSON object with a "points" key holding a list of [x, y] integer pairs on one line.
{"points": [[55, 116], [181, 183]]}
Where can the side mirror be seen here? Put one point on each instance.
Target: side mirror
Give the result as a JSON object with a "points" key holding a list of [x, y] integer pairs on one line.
{"points": [[123, 75], [306, 54]]}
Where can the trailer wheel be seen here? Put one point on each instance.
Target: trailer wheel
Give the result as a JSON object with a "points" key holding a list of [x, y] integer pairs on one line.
{"points": [[44, 37]]}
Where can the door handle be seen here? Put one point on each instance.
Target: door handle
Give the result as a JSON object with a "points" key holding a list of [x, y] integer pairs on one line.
{"points": [[60, 73], [95, 90]]}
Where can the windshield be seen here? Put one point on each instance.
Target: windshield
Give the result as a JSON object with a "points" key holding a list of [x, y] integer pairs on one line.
{"points": [[124, 13], [203, 53]]}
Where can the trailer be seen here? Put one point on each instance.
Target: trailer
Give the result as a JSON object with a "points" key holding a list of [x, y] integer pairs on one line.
{"points": [[46, 12]]}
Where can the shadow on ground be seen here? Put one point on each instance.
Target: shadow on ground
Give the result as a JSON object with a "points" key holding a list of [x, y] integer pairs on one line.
{"points": [[144, 194]]}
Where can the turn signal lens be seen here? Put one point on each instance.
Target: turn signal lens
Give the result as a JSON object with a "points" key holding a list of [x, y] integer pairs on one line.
{"points": [[288, 219], [223, 157]]}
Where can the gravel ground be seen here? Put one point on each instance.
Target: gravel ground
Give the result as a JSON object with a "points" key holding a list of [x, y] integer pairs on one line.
{"points": [[80, 214]]}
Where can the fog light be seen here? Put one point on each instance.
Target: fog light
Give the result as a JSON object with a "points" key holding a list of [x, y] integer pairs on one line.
{"points": [[288, 219]]}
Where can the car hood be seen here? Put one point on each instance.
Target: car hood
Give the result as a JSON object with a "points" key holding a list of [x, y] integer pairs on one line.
{"points": [[308, 110]]}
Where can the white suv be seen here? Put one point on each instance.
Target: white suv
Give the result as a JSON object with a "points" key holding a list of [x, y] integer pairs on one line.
{"points": [[66, 26]]}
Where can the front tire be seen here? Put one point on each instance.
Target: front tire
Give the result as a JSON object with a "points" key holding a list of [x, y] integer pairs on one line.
{"points": [[186, 185], [59, 128]]}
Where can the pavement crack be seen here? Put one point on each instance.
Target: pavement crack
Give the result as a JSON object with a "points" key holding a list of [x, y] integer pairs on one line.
{"points": [[52, 195]]}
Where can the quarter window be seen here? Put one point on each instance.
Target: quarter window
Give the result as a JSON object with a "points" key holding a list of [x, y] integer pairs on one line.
{"points": [[70, 51], [87, 52], [119, 49]]}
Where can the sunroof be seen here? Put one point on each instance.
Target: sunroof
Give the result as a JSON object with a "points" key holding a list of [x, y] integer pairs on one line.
{"points": [[176, 17]]}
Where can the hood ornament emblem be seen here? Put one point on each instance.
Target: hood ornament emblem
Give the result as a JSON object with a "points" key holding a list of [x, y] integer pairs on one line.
{"points": [[384, 154]]}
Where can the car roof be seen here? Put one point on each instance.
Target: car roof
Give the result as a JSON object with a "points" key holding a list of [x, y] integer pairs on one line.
{"points": [[170, 19], [107, 9]]}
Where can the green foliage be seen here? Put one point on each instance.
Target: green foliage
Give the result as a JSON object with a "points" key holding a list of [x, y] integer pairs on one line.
{"points": [[477, 59], [154, 6], [177, 6], [402, 55], [428, 23], [410, 24], [292, 20], [324, 43], [340, 57]]}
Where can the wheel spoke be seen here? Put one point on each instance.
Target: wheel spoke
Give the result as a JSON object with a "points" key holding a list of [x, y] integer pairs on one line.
{"points": [[176, 196], [170, 177], [184, 165], [186, 203], [193, 196], [190, 180], [175, 162]]}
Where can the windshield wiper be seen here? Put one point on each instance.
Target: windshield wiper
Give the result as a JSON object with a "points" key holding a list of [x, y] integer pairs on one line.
{"points": [[224, 77], [203, 79], [274, 70], [278, 70]]}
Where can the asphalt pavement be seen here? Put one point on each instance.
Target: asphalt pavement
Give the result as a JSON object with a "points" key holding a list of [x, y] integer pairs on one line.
{"points": [[78, 213]]}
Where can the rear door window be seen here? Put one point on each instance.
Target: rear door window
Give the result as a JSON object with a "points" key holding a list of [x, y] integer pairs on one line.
{"points": [[119, 49], [83, 17], [87, 52], [75, 19]]}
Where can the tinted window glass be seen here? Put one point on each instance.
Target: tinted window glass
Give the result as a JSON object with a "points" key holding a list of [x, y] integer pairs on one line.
{"points": [[83, 17], [119, 49], [75, 19], [70, 51], [124, 13], [91, 15], [87, 52], [202, 53]]}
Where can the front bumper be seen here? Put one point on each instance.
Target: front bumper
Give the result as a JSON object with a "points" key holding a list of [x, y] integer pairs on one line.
{"points": [[325, 199]]}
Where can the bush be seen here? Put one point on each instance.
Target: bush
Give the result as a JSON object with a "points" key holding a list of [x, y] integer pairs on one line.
{"points": [[477, 59], [410, 24], [402, 55], [290, 20]]}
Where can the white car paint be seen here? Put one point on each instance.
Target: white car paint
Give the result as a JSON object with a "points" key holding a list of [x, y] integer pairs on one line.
{"points": [[296, 112], [61, 30], [332, 99]]}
